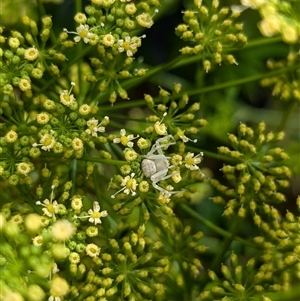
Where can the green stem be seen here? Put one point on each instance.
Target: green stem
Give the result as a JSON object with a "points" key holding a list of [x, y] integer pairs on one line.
{"points": [[241, 81], [226, 244], [73, 175], [100, 160], [86, 158], [211, 154], [286, 115], [41, 7], [78, 8], [292, 294], [215, 228], [212, 88], [125, 105]]}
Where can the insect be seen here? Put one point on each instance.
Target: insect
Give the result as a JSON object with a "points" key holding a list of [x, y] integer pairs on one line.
{"points": [[156, 165]]}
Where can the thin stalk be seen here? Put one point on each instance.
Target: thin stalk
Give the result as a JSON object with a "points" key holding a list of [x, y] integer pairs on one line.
{"points": [[286, 115], [87, 158], [78, 8], [73, 175], [215, 228], [241, 81], [226, 244], [211, 154], [100, 160]]}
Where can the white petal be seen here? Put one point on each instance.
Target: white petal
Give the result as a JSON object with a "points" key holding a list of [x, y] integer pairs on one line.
{"points": [[96, 207]]}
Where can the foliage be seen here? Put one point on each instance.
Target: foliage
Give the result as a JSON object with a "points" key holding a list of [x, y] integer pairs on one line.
{"points": [[115, 189]]}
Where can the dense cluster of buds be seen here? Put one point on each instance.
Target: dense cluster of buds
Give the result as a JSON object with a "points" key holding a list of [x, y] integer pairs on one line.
{"points": [[285, 86], [243, 281], [256, 175], [211, 41]]}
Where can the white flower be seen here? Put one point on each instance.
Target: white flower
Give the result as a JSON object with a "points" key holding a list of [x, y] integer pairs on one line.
{"points": [[66, 98], [128, 184], [50, 208], [94, 127], [83, 33], [129, 45], [191, 161], [47, 142], [95, 214], [125, 140]]}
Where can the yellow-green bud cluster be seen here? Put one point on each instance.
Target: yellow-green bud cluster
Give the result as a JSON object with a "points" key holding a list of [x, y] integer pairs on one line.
{"points": [[286, 87], [280, 241], [241, 281], [167, 118], [209, 31], [181, 241], [252, 152], [135, 255]]}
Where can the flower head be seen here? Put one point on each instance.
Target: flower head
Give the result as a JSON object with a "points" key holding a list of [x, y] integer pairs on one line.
{"points": [[129, 45], [108, 40], [160, 128], [92, 250], [47, 142], [11, 136], [128, 184], [144, 20], [66, 98], [84, 33], [50, 208], [23, 168], [184, 138], [95, 214], [125, 140], [191, 161], [31, 54], [94, 127]]}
